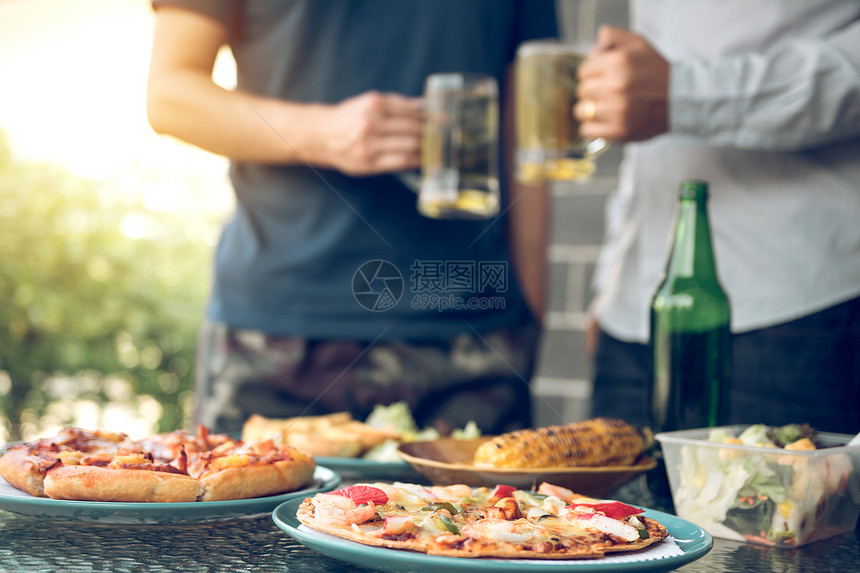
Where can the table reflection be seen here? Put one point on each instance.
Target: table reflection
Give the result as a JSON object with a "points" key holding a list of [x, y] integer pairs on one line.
{"points": [[42, 544]]}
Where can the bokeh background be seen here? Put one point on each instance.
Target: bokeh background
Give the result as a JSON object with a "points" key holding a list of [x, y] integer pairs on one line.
{"points": [[107, 229]]}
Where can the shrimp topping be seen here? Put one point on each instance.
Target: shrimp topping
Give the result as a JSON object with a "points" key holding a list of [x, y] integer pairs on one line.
{"points": [[339, 510], [451, 492]]}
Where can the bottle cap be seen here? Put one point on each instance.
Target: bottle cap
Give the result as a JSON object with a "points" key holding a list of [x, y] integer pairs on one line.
{"points": [[694, 189]]}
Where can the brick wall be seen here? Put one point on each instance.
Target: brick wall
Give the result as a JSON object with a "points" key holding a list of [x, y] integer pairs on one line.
{"points": [[562, 385]]}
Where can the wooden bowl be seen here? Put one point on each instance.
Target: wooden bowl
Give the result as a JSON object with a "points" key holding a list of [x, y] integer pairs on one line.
{"points": [[448, 461]]}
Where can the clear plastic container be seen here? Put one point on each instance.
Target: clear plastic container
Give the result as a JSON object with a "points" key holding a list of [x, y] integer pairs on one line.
{"points": [[763, 495]]}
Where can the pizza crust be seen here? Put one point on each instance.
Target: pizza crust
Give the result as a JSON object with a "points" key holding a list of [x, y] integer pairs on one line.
{"points": [[511, 552], [20, 472], [256, 481], [343, 446], [91, 483]]}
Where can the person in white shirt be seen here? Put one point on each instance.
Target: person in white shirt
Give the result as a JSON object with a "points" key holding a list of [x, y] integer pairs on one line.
{"points": [[762, 100]]}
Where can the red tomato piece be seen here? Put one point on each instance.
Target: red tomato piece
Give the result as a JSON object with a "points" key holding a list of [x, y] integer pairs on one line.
{"points": [[363, 494], [614, 509], [502, 491]]}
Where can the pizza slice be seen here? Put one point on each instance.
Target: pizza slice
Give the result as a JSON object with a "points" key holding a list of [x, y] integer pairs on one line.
{"points": [[240, 470], [173, 467], [336, 434], [25, 465], [460, 521]]}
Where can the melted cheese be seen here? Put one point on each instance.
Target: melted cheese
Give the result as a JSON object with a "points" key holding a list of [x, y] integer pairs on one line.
{"points": [[520, 531]]}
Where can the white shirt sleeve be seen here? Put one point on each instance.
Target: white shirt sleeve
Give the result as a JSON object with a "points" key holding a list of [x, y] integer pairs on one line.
{"points": [[802, 94]]}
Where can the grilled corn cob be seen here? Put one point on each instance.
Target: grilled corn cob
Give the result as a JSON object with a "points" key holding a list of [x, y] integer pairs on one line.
{"points": [[595, 442]]}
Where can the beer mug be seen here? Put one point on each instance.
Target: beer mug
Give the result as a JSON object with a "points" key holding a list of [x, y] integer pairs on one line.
{"points": [[459, 154], [549, 144]]}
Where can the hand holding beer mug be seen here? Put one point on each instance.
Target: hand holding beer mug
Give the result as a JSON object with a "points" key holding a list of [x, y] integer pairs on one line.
{"points": [[549, 144], [459, 156]]}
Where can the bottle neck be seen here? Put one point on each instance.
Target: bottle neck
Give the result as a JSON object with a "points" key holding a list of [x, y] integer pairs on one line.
{"points": [[692, 253]]}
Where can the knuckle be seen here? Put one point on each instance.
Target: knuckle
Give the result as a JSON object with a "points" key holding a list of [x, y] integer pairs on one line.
{"points": [[373, 100], [624, 78], [413, 144], [616, 59]]}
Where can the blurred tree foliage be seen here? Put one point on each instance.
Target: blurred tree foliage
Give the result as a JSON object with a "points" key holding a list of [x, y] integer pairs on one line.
{"points": [[100, 300]]}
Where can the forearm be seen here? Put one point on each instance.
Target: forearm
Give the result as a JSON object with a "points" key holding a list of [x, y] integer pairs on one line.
{"points": [[366, 134], [804, 94], [529, 234], [527, 215], [241, 126]]}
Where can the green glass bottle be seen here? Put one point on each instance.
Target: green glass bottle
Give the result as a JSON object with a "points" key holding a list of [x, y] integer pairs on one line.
{"points": [[690, 340]]}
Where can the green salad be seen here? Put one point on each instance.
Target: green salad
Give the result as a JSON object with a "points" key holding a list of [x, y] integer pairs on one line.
{"points": [[773, 494]]}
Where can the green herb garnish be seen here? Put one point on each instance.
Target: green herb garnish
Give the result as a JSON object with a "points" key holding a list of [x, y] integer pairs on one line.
{"points": [[449, 524], [437, 505]]}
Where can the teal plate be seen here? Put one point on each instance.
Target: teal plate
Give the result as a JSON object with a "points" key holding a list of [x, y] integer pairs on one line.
{"points": [[693, 541], [359, 469], [115, 513]]}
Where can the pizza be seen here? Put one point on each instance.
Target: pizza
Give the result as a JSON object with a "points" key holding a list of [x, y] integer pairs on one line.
{"points": [[462, 521], [79, 464], [337, 434]]}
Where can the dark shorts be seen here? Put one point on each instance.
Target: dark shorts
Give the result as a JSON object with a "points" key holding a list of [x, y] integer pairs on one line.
{"points": [[806, 370], [484, 378]]}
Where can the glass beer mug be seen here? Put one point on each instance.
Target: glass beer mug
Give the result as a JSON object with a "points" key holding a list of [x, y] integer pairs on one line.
{"points": [[549, 145], [459, 155]]}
